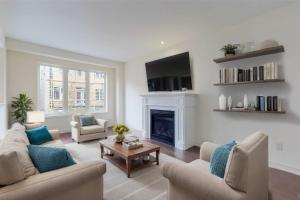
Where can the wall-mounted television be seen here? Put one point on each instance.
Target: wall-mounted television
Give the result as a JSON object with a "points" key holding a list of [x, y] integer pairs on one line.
{"points": [[170, 73]]}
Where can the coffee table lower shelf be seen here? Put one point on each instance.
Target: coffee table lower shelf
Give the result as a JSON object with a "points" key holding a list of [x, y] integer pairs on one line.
{"points": [[136, 164]]}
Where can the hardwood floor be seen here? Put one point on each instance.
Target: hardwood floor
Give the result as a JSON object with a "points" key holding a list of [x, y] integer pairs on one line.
{"points": [[282, 185]]}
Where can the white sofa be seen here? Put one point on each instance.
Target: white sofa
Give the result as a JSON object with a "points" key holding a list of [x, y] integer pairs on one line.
{"points": [[86, 133], [77, 182]]}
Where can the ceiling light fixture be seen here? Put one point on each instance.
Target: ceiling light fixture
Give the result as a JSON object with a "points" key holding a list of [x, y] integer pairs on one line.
{"points": [[162, 42]]}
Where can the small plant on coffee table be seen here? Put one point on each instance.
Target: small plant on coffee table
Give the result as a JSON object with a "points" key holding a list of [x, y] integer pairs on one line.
{"points": [[120, 129]]}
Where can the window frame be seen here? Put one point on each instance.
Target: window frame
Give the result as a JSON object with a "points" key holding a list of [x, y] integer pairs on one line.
{"points": [[60, 93], [105, 108], [97, 94], [65, 90]]}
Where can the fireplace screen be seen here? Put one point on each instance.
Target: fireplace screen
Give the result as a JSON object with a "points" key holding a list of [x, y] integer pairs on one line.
{"points": [[163, 126]]}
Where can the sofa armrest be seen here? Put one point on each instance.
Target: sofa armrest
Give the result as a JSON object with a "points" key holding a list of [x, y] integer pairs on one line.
{"points": [[55, 183], [206, 149], [74, 124], [102, 122], [201, 184], [55, 134]]}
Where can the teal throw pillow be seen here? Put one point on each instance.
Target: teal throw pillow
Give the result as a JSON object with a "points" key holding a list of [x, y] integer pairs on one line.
{"points": [[86, 120], [219, 157], [48, 158], [39, 135]]}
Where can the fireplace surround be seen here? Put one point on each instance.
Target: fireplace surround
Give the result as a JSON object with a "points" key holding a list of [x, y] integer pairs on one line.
{"points": [[183, 105]]}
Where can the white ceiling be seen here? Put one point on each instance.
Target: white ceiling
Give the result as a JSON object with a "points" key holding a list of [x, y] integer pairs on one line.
{"points": [[122, 29]]}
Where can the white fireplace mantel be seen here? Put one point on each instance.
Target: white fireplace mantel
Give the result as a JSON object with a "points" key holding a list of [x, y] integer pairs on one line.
{"points": [[184, 106]]}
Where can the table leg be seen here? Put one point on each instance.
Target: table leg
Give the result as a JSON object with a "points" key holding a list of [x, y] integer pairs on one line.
{"points": [[102, 150], [128, 166], [157, 157]]}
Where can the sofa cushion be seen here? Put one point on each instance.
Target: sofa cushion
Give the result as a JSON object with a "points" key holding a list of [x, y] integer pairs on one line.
{"points": [[47, 158], [87, 120], [39, 135], [201, 165], [54, 143], [16, 135], [219, 159], [11, 170], [91, 129], [16, 140]]}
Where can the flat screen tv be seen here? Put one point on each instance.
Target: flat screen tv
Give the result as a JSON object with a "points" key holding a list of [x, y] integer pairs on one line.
{"points": [[170, 73]]}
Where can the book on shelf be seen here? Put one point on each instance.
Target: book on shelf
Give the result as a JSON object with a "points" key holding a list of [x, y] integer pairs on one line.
{"points": [[255, 73], [268, 103], [267, 71], [132, 145], [275, 103], [238, 108], [261, 73], [130, 138]]}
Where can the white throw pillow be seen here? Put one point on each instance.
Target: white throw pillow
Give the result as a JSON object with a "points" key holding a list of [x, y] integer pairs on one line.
{"points": [[16, 140], [11, 170]]}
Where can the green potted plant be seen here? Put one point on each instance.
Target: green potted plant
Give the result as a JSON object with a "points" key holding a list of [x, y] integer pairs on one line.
{"points": [[120, 129], [229, 49], [20, 106]]}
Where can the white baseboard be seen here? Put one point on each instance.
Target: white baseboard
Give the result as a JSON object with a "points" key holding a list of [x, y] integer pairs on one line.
{"points": [[284, 167]]}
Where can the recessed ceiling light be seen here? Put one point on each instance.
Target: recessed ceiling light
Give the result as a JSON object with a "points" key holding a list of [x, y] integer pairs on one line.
{"points": [[162, 42]]}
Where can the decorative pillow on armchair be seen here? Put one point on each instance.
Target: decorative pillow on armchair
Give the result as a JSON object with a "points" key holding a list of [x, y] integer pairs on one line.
{"points": [[48, 158], [218, 159], [87, 120]]}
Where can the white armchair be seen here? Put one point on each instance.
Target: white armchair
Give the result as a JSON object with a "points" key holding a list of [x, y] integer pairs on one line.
{"points": [[246, 176], [85, 133]]}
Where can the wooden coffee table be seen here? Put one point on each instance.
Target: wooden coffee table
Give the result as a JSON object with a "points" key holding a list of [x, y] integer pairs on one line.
{"points": [[128, 156]]}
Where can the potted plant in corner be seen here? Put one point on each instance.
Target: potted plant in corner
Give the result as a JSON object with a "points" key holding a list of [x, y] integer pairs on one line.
{"points": [[229, 49], [120, 129], [20, 106]]}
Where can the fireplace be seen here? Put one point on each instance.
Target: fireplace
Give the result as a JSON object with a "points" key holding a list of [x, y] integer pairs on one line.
{"points": [[162, 126], [182, 126]]}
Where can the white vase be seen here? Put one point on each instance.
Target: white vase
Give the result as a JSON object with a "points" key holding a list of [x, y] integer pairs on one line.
{"points": [[246, 103], [229, 102], [222, 102]]}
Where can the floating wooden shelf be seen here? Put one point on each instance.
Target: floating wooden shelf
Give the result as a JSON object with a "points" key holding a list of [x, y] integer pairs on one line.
{"points": [[250, 111], [250, 82], [261, 52]]}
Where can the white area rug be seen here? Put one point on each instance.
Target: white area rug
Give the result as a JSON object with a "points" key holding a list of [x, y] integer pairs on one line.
{"points": [[144, 184]]}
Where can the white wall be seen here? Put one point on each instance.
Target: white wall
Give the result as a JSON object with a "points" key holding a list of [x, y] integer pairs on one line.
{"points": [[2, 67], [281, 25], [3, 113], [22, 76]]}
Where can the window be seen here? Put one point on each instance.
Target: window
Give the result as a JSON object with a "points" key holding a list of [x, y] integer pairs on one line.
{"points": [[57, 93], [63, 89], [76, 90], [80, 100], [99, 94], [51, 84], [97, 91]]}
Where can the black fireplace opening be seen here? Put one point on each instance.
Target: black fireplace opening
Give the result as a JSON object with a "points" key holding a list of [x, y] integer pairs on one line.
{"points": [[163, 126]]}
